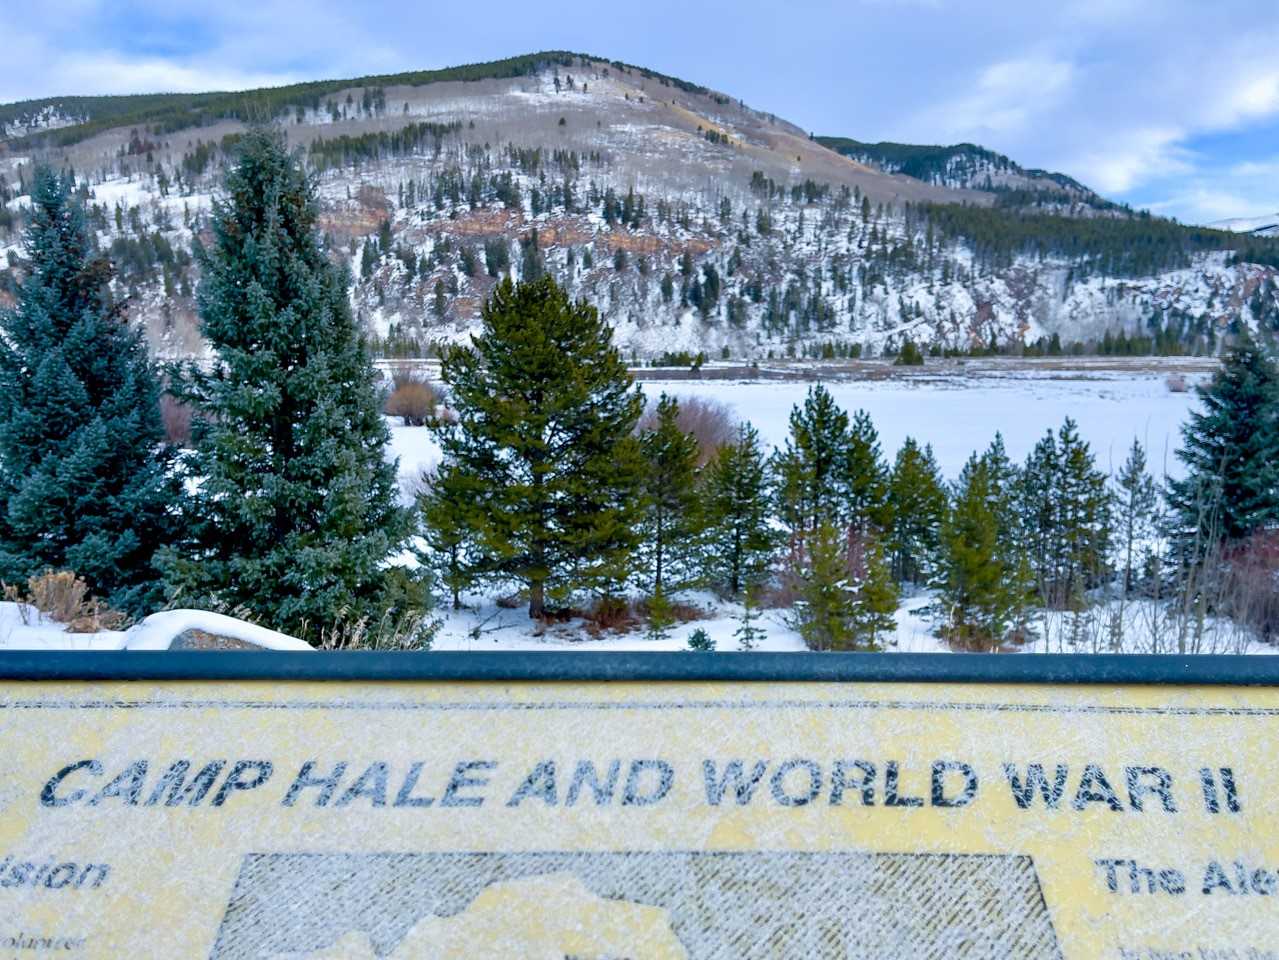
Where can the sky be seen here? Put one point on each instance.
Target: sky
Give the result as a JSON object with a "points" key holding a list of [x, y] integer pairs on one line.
{"points": [[1170, 105]]}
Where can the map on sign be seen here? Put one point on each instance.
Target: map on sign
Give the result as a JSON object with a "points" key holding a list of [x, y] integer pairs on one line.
{"points": [[640, 905], [627, 821]]}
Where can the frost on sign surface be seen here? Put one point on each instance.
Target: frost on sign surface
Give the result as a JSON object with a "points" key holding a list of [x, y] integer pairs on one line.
{"points": [[539, 918], [639, 905], [707, 821]]}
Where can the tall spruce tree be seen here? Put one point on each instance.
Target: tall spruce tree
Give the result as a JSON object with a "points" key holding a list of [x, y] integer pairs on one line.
{"points": [[546, 413], [294, 509], [1084, 512], [1037, 499], [85, 480], [917, 498], [740, 541], [1136, 499], [672, 515], [811, 471], [1230, 448], [1064, 514], [866, 478]]}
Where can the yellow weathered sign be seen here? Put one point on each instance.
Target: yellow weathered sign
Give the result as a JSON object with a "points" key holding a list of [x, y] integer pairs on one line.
{"points": [[710, 821]]}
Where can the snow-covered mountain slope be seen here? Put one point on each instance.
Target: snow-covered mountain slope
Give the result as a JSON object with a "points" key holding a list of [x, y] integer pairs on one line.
{"points": [[694, 222], [1265, 226]]}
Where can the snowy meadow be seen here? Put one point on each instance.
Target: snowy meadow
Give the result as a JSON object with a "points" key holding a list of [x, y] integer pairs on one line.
{"points": [[956, 415]]}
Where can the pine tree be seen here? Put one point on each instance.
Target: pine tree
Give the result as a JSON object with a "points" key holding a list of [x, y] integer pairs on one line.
{"points": [[740, 541], [748, 635], [823, 610], [875, 593], [812, 470], [1230, 448], [293, 511], [660, 616], [1136, 499], [699, 641], [444, 509], [1038, 508], [544, 439], [672, 523], [909, 355], [917, 499], [980, 581], [865, 478], [85, 477], [1083, 526]]}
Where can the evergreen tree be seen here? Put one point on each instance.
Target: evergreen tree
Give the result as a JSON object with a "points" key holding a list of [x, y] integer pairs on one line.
{"points": [[85, 482], [293, 511], [865, 478], [672, 518], [660, 616], [846, 594], [875, 591], [699, 641], [980, 581], [1083, 525], [739, 539], [823, 611], [1230, 448], [1136, 499], [909, 355], [917, 499], [812, 470], [544, 440], [444, 509], [747, 634], [1037, 495]]}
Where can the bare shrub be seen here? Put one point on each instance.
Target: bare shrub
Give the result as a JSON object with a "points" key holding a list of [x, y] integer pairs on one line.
{"points": [[412, 399], [64, 598], [610, 613], [1176, 383], [711, 422], [176, 417], [1250, 588]]}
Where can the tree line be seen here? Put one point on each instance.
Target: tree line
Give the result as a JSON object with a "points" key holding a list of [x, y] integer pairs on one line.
{"points": [[284, 507]]}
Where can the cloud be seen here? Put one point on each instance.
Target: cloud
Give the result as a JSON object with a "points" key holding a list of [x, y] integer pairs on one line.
{"points": [[997, 106]]}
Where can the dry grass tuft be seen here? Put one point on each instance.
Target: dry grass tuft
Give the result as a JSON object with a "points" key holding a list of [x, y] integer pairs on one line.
{"points": [[64, 598]]}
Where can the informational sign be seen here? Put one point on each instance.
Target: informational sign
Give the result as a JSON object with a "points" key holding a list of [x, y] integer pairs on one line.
{"points": [[647, 821]]}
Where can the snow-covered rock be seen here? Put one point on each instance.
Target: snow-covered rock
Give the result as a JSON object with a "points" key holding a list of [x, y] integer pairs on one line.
{"points": [[23, 627]]}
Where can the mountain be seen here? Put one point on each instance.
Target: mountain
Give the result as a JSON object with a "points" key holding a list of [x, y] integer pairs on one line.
{"points": [[966, 166], [1267, 226], [693, 221]]}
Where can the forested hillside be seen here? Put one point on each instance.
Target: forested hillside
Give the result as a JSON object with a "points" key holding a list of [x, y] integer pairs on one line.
{"points": [[695, 223]]}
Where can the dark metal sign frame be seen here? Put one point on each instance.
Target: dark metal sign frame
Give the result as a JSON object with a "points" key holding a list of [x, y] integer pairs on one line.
{"points": [[1126, 669]]}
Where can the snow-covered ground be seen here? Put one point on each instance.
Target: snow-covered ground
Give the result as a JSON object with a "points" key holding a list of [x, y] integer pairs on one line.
{"points": [[960, 418], [957, 416], [484, 626]]}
